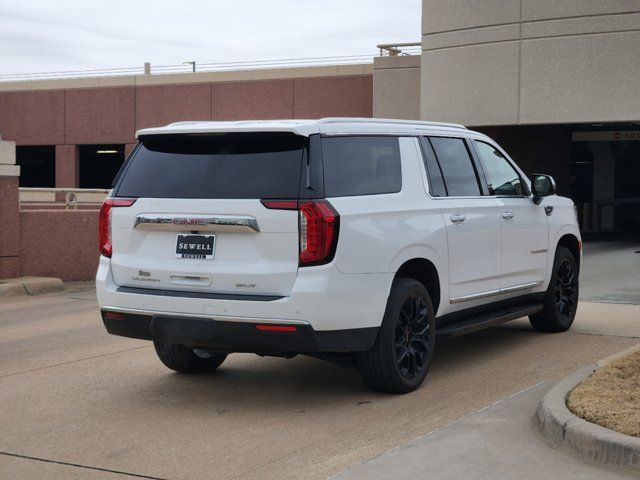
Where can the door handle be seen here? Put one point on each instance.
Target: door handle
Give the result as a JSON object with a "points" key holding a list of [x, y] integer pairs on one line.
{"points": [[508, 214], [458, 218]]}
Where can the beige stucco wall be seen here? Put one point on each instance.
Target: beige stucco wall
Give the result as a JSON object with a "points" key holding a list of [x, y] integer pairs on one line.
{"points": [[396, 87], [506, 62]]}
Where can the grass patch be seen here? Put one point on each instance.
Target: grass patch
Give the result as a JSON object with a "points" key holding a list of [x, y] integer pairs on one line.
{"points": [[611, 396]]}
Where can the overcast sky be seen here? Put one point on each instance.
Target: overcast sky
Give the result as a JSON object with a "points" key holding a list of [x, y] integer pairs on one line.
{"points": [[45, 35]]}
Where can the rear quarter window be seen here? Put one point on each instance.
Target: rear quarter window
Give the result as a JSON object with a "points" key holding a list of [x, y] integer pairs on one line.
{"points": [[214, 166], [361, 165]]}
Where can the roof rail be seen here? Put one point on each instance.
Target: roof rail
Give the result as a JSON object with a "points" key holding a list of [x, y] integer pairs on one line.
{"points": [[392, 121], [184, 122]]}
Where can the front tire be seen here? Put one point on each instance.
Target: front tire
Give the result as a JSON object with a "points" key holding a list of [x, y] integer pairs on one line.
{"points": [[187, 360], [402, 353], [561, 299]]}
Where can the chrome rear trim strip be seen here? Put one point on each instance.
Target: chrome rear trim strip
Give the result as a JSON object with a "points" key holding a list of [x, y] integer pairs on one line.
{"points": [[491, 293], [200, 223]]}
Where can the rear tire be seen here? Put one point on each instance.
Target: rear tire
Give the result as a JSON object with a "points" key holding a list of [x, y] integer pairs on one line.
{"points": [[185, 360], [561, 299], [402, 353]]}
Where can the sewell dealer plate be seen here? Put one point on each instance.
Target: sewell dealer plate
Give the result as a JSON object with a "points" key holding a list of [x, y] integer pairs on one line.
{"points": [[195, 246]]}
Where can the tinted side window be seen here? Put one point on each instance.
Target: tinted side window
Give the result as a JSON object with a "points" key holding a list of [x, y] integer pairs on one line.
{"points": [[361, 165], [502, 177], [457, 167], [214, 166], [434, 174]]}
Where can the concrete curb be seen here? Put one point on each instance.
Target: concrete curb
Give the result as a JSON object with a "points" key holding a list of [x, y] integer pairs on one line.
{"points": [[11, 290], [29, 286], [616, 356], [591, 443]]}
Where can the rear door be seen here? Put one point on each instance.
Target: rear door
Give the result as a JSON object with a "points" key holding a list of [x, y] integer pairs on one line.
{"points": [[471, 219], [198, 223]]}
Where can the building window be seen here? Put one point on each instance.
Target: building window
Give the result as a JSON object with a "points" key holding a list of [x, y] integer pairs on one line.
{"points": [[99, 164], [37, 166]]}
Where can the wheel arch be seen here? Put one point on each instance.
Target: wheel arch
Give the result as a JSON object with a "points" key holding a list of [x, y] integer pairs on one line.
{"points": [[424, 271], [571, 242]]}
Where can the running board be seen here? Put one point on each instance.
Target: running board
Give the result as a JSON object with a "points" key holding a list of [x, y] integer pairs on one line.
{"points": [[473, 324]]}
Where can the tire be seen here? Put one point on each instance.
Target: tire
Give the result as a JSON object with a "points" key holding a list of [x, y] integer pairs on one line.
{"points": [[185, 360], [402, 353], [561, 299]]}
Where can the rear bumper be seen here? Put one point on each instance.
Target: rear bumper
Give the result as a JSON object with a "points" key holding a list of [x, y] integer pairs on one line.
{"points": [[332, 309], [226, 336]]}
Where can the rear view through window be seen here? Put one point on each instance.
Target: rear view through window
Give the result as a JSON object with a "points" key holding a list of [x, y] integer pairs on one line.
{"points": [[361, 165], [215, 166]]}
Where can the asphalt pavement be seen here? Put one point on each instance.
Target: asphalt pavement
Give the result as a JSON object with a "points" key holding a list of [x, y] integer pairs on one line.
{"points": [[76, 402], [611, 270]]}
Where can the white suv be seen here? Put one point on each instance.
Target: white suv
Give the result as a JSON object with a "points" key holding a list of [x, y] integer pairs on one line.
{"points": [[344, 239]]}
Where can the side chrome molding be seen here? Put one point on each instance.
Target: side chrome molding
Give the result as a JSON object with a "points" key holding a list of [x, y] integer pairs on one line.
{"points": [[491, 293]]}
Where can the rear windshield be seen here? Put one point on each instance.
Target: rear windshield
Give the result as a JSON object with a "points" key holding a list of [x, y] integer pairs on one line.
{"points": [[214, 166]]}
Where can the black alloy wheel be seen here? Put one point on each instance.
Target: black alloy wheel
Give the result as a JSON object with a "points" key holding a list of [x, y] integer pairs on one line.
{"points": [[412, 333], [400, 358], [566, 289], [560, 302]]}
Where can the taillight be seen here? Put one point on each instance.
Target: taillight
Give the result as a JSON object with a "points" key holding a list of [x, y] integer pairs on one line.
{"points": [[114, 315], [318, 226], [104, 228]]}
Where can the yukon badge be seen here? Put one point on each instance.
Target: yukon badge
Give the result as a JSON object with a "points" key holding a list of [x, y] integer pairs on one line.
{"points": [[542, 250], [144, 276]]}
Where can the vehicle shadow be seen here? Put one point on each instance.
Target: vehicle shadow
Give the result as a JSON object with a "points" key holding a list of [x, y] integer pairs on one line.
{"points": [[246, 382]]}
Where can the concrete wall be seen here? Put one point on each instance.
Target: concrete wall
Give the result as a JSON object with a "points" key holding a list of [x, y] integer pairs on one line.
{"points": [[9, 205], [67, 113], [396, 87], [505, 62], [109, 110], [111, 115], [59, 243]]}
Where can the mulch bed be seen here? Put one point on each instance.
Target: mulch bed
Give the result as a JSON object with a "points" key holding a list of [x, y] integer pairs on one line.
{"points": [[611, 396]]}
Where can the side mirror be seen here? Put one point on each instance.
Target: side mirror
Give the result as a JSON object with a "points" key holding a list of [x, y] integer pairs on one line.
{"points": [[542, 186]]}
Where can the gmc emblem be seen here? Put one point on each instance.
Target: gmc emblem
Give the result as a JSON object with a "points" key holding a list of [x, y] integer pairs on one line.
{"points": [[189, 221]]}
